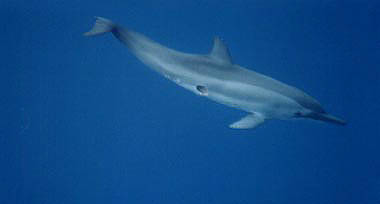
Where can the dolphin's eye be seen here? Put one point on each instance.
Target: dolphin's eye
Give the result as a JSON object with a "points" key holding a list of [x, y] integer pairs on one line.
{"points": [[297, 114], [202, 90]]}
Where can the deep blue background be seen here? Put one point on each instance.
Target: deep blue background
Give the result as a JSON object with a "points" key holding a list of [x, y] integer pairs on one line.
{"points": [[83, 121]]}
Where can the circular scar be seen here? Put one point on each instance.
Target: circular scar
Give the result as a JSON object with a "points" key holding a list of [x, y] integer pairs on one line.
{"points": [[202, 90]]}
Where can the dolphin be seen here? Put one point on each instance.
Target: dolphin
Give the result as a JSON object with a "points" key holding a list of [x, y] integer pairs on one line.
{"points": [[216, 77]]}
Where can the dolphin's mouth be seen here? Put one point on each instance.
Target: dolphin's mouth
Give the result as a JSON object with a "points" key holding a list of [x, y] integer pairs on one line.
{"points": [[202, 90]]}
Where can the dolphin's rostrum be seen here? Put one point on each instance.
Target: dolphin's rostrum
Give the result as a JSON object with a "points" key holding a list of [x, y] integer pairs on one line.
{"points": [[216, 77]]}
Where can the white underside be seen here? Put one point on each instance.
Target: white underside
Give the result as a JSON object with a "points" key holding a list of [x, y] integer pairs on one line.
{"points": [[252, 99]]}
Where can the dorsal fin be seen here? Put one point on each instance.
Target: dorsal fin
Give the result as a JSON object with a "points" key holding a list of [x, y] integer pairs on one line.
{"points": [[220, 51]]}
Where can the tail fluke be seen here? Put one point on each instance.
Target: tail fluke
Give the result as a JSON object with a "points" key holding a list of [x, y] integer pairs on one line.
{"points": [[327, 118], [102, 25]]}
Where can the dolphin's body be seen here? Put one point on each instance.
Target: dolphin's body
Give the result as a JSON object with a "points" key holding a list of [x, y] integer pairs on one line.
{"points": [[215, 76]]}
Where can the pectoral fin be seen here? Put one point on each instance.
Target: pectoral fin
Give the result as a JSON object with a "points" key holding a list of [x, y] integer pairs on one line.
{"points": [[249, 121]]}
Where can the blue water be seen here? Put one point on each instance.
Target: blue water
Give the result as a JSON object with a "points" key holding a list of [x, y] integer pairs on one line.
{"points": [[83, 121]]}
